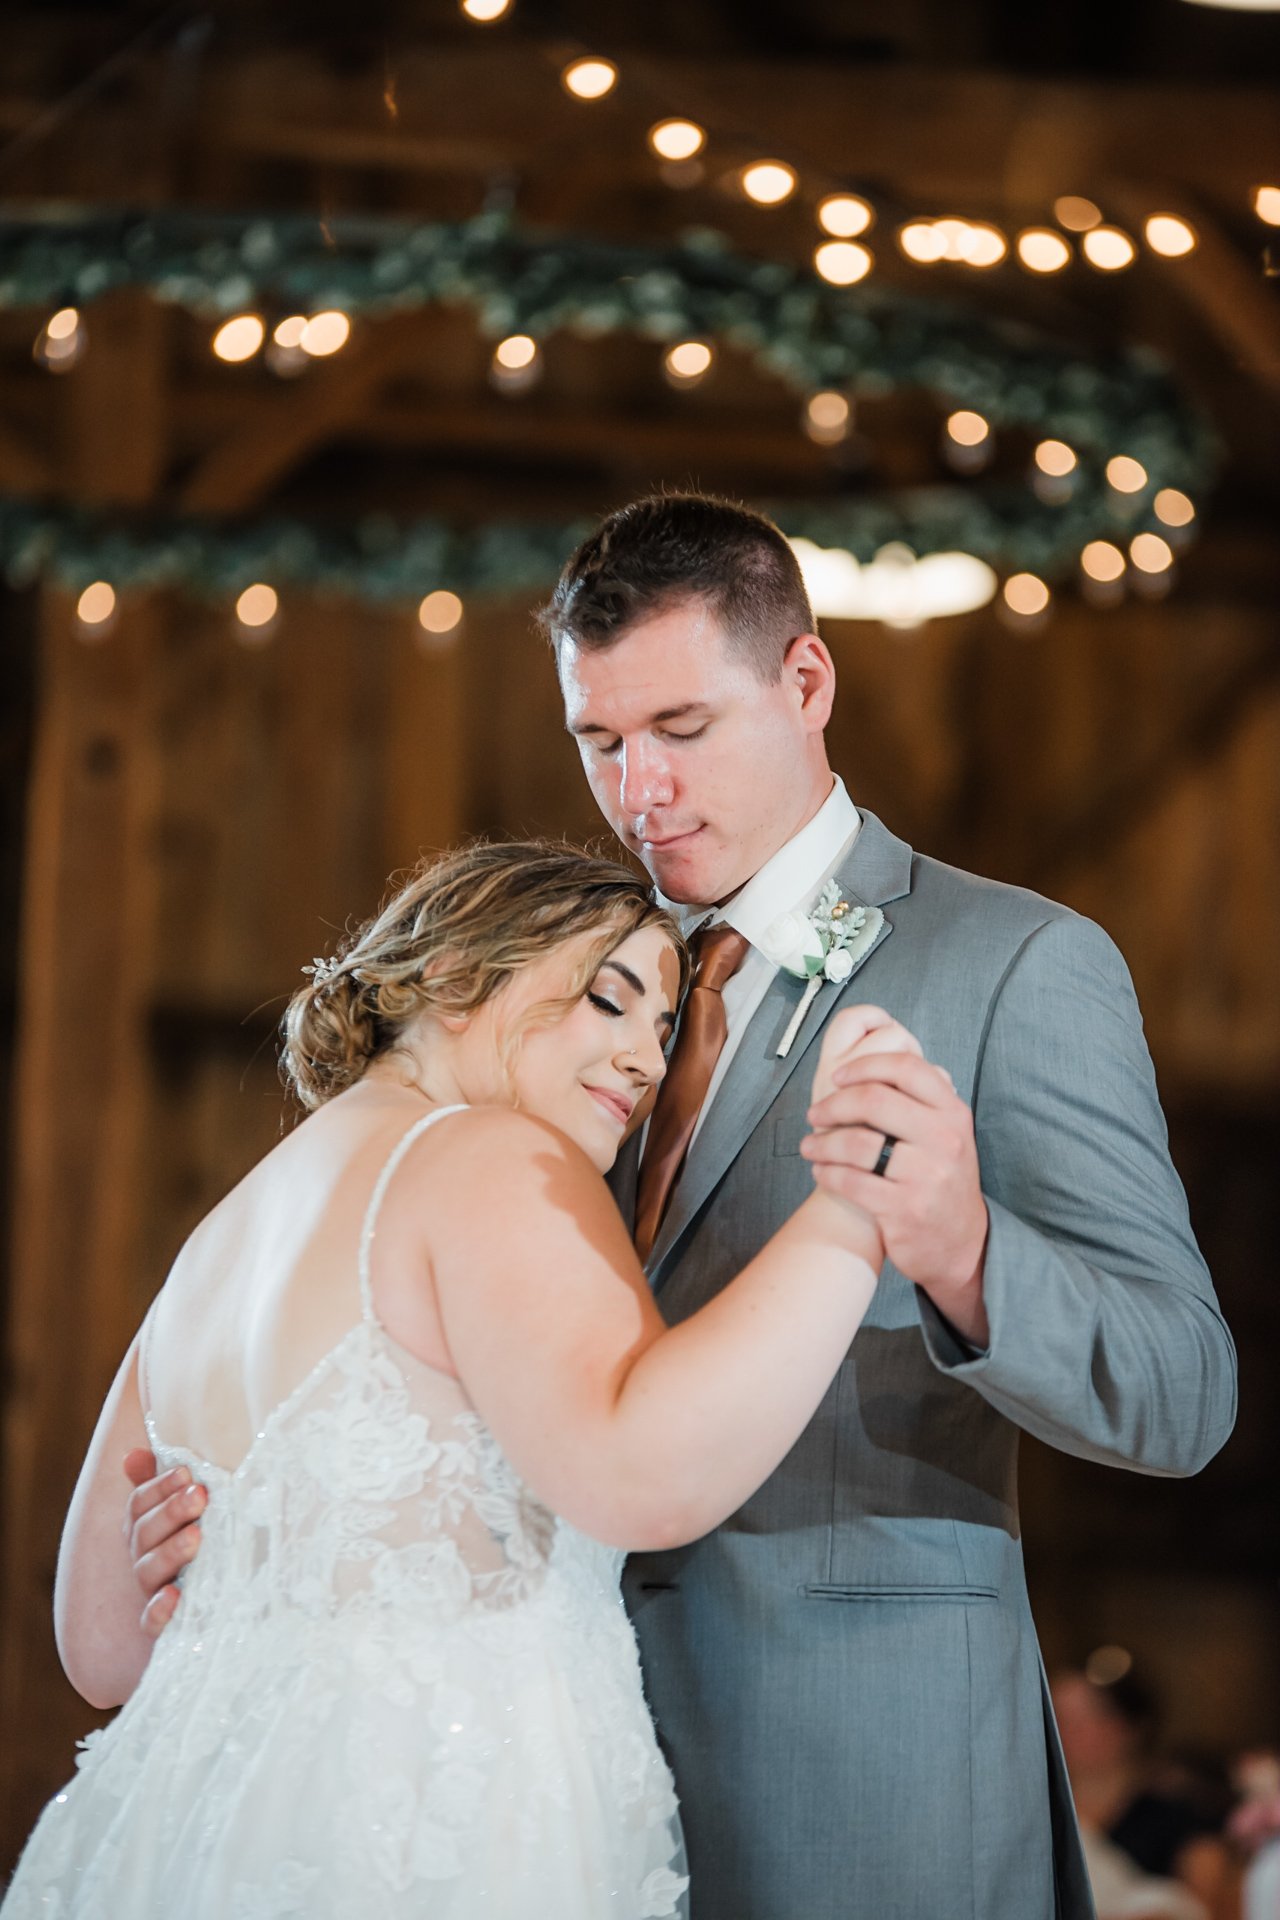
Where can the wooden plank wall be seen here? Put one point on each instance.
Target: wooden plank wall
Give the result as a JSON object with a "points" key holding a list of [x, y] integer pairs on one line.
{"points": [[203, 814]]}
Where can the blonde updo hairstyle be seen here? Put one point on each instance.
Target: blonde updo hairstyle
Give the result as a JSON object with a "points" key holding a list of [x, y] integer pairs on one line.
{"points": [[450, 937]]}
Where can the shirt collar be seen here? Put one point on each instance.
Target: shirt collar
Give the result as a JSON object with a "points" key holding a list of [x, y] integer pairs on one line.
{"points": [[789, 881]]}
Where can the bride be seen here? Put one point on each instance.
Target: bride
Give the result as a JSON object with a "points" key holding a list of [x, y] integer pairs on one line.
{"points": [[414, 1361]]}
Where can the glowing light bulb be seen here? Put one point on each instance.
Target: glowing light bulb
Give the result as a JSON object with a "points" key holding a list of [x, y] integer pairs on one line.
{"points": [[842, 262], [1041, 250], [768, 182], [288, 332], [325, 333], [440, 612], [1266, 204], [1075, 213], [1174, 508], [983, 245], [1168, 235], [96, 604], [1102, 561], [1150, 553], [921, 242], [516, 352], [1108, 249], [968, 429], [590, 79], [1025, 594], [687, 362], [677, 139], [1055, 458], [60, 341], [826, 418], [1126, 475], [257, 606], [845, 215], [485, 12], [240, 338], [954, 235]]}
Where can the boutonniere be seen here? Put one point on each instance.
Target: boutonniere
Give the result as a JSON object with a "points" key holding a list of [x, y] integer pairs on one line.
{"points": [[823, 945]]}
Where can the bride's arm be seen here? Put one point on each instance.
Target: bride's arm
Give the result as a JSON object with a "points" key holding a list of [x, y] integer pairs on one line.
{"points": [[102, 1644], [641, 1435]]}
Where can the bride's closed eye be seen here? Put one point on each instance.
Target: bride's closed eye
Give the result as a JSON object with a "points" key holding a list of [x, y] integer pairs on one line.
{"points": [[605, 1006]]}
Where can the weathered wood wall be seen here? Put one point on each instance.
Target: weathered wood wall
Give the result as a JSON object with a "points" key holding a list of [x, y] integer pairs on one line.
{"points": [[202, 816]]}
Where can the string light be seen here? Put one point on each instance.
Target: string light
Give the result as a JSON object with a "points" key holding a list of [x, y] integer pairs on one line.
{"points": [[590, 79], [1108, 249], [96, 606], [1168, 235], [485, 12], [1026, 595], [1106, 1665], [1174, 508], [983, 245], [440, 612], [325, 333], [845, 215], [1266, 204], [239, 339], [1073, 211], [687, 362], [968, 429], [1126, 475], [516, 363], [842, 262], [288, 333], [257, 606], [60, 341], [827, 418], [1103, 562], [1055, 458], [518, 350], [1041, 250], [1150, 553], [677, 139], [921, 242], [768, 182]]}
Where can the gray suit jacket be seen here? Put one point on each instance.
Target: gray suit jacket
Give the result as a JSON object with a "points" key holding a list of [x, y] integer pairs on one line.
{"points": [[845, 1674]]}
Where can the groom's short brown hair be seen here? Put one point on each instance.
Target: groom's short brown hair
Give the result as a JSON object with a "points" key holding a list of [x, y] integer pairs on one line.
{"points": [[670, 547]]}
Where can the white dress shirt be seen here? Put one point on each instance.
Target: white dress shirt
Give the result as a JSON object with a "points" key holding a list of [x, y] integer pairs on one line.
{"points": [[788, 883]]}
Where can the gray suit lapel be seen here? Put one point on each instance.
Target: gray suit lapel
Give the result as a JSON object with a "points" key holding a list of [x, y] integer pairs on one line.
{"points": [[877, 871]]}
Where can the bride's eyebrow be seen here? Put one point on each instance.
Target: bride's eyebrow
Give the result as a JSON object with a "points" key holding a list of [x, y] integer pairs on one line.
{"points": [[634, 981]]}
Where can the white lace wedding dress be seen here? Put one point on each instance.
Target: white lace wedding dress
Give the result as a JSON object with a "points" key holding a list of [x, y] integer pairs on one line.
{"points": [[396, 1686]]}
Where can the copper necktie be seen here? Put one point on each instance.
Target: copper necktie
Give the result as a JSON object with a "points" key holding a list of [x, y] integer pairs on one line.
{"points": [[718, 952]]}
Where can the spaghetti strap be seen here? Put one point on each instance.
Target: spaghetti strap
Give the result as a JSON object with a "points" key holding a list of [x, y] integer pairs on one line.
{"points": [[385, 1178], [144, 1373]]}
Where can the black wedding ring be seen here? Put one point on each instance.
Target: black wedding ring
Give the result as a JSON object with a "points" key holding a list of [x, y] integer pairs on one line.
{"points": [[886, 1154]]}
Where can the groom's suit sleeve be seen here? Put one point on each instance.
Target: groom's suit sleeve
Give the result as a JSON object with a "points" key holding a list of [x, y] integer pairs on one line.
{"points": [[1105, 1336]]}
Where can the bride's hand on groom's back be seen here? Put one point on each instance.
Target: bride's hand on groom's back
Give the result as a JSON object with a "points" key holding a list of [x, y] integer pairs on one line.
{"points": [[161, 1529]]}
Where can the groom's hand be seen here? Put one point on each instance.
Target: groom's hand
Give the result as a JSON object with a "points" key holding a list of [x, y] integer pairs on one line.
{"points": [[928, 1201], [161, 1533]]}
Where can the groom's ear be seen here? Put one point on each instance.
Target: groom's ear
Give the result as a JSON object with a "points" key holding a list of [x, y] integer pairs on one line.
{"points": [[808, 666]]}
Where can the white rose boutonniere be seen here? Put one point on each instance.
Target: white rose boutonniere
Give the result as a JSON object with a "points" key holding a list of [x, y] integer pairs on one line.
{"points": [[823, 945]]}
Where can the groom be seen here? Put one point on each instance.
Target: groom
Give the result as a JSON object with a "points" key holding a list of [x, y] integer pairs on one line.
{"points": [[845, 1674]]}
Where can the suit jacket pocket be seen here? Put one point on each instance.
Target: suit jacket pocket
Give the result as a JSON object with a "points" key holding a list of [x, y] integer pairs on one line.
{"points": [[834, 1590]]}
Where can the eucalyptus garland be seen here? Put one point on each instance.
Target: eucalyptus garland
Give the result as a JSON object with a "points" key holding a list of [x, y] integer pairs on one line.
{"points": [[868, 341]]}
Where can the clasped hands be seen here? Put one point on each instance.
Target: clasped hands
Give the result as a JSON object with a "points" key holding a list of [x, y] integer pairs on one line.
{"points": [[874, 1085]]}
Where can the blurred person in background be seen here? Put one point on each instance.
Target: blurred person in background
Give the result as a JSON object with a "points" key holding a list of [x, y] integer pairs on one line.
{"points": [[1152, 1831]]}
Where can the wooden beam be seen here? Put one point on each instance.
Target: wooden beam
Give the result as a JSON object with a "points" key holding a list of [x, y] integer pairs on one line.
{"points": [[1228, 291], [248, 461]]}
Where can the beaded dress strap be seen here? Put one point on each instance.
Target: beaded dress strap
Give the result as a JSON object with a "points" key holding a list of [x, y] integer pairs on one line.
{"points": [[385, 1178]]}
